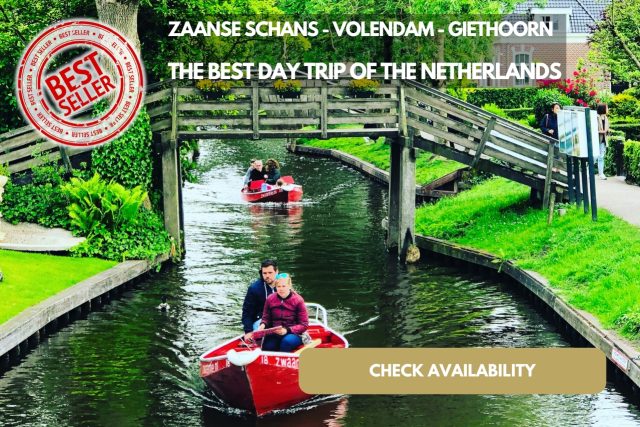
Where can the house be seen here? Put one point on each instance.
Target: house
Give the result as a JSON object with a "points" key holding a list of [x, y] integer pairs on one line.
{"points": [[572, 22]]}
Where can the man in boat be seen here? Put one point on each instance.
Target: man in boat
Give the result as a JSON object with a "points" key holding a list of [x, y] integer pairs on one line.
{"points": [[257, 294], [254, 173]]}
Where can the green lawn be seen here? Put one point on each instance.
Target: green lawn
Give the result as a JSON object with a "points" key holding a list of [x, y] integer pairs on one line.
{"points": [[31, 278], [595, 266], [428, 166]]}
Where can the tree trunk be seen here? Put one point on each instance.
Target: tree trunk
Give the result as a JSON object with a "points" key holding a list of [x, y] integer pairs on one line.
{"points": [[121, 15]]}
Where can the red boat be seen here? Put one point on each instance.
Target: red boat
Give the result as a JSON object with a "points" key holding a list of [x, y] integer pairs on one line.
{"points": [[263, 381], [259, 191]]}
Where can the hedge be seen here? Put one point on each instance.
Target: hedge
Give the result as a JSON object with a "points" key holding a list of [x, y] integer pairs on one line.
{"points": [[614, 157], [518, 113], [632, 161], [507, 98]]}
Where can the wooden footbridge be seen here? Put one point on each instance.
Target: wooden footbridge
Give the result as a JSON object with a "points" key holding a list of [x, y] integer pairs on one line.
{"points": [[411, 115]]}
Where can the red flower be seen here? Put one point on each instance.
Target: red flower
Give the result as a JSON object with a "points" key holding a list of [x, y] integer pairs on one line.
{"points": [[592, 93], [584, 70], [575, 74], [567, 90]]}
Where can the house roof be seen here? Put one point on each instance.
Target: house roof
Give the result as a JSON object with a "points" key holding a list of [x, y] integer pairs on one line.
{"points": [[584, 12]]}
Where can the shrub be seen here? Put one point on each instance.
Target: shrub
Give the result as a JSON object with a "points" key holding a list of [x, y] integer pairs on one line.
{"points": [[96, 202], [503, 97], [518, 113], [623, 105], [39, 202], [128, 159], [363, 86], [494, 109], [287, 86], [218, 86], [111, 218], [143, 238], [582, 88], [543, 100], [614, 157], [631, 155]]}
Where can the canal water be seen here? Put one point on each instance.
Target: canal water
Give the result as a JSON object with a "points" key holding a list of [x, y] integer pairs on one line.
{"points": [[132, 365]]}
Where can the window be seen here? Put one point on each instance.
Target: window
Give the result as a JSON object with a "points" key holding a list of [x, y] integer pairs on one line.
{"points": [[552, 19], [522, 58]]}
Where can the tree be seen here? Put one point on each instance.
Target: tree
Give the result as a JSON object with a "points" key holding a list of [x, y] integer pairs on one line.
{"points": [[615, 42], [121, 15]]}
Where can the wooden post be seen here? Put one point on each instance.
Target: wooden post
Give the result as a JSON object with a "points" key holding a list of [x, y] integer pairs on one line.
{"points": [[483, 141], [323, 109], [65, 159], [395, 177], [548, 177], [170, 176], [402, 186], [255, 108]]}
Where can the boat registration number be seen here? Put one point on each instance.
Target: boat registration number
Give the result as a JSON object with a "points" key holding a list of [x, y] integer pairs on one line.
{"points": [[281, 362], [209, 368]]}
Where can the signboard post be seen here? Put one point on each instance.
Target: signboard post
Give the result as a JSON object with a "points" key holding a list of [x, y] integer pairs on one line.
{"points": [[578, 139]]}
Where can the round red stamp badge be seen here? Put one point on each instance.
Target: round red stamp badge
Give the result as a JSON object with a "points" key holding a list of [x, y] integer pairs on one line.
{"points": [[67, 70]]}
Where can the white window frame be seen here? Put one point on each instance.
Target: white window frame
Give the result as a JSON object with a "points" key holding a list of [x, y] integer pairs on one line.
{"points": [[526, 81]]}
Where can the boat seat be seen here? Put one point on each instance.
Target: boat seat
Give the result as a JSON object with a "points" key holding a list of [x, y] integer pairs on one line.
{"points": [[331, 345], [312, 344]]}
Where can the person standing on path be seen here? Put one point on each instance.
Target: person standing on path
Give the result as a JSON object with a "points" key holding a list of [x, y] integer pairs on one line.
{"points": [[603, 131]]}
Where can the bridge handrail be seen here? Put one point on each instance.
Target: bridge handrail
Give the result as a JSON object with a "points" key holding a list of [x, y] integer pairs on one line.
{"points": [[481, 112]]}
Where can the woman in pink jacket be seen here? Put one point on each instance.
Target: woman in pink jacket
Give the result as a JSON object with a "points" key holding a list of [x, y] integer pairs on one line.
{"points": [[284, 308]]}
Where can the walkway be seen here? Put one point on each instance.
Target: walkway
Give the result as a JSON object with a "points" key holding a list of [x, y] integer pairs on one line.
{"points": [[619, 198]]}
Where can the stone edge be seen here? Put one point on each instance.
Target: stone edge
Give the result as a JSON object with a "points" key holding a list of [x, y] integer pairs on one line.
{"points": [[20, 327], [584, 323]]}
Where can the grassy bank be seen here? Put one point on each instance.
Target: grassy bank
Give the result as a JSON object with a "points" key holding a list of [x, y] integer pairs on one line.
{"points": [[428, 166], [594, 265], [31, 278]]}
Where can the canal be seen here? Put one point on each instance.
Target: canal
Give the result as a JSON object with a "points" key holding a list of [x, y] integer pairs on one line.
{"points": [[132, 365]]}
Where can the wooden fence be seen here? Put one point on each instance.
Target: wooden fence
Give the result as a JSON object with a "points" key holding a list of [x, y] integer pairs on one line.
{"points": [[438, 122]]}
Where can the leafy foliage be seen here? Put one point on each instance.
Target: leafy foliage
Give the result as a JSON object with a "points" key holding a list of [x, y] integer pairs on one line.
{"points": [[142, 238], [543, 100], [615, 43], [129, 159], [504, 97], [581, 88], [632, 161], [39, 202], [494, 109], [623, 105], [111, 218], [97, 202]]}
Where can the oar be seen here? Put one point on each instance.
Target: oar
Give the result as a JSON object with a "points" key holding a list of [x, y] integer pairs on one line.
{"points": [[263, 332]]}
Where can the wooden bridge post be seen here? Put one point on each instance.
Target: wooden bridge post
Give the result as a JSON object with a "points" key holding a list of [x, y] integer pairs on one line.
{"points": [[402, 187], [170, 174]]}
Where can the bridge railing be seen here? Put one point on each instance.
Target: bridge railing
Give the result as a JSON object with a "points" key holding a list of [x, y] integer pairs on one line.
{"points": [[256, 110], [471, 135]]}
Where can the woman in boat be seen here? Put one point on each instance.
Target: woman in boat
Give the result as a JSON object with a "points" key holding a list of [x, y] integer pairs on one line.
{"points": [[272, 171], [284, 308]]}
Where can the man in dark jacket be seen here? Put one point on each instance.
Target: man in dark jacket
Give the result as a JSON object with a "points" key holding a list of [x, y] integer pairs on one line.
{"points": [[257, 294]]}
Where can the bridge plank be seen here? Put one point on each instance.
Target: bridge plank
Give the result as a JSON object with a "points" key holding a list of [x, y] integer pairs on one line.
{"points": [[27, 152], [214, 106], [34, 161]]}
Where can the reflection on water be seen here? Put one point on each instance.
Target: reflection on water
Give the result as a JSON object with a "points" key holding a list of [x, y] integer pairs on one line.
{"points": [[131, 365]]}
